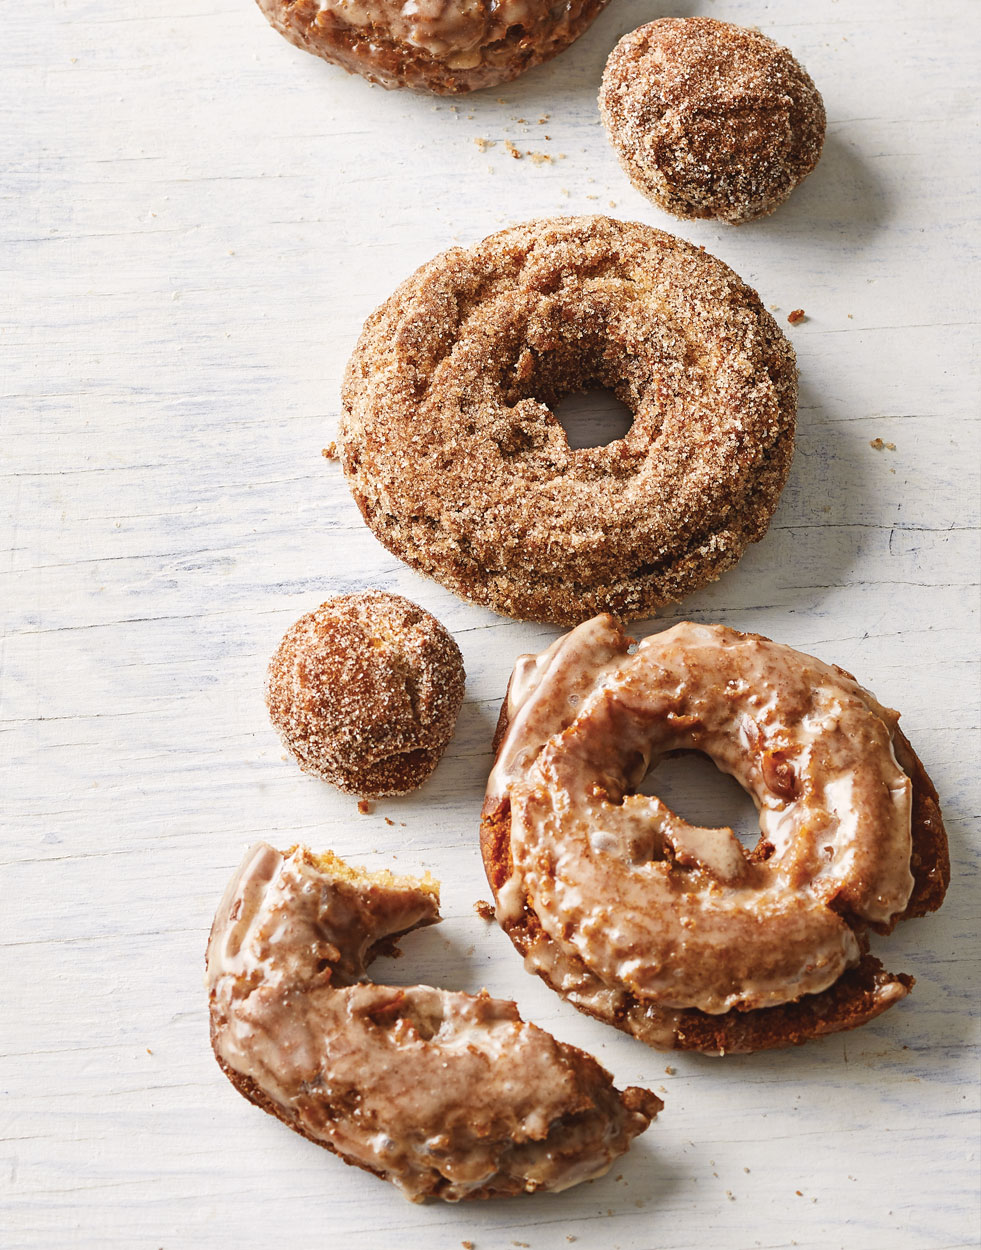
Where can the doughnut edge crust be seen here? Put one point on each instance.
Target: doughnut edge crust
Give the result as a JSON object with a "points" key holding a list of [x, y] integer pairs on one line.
{"points": [[460, 468], [507, 45], [860, 993], [295, 1026], [660, 91]]}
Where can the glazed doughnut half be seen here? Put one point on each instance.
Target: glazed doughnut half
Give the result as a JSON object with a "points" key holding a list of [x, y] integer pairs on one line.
{"points": [[675, 933], [447, 1095], [461, 468], [442, 46]]}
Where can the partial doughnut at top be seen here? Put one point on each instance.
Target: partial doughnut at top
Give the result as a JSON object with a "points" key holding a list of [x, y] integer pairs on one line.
{"points": [[710, 119], [442, 46], [675, 933], [447, 1095], [460, 466]]}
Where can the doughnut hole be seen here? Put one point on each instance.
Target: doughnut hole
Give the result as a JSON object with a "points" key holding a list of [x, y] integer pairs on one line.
{"points": [[593, 418], [694, 788], [574, 392], [711, 120], [365, 691]]}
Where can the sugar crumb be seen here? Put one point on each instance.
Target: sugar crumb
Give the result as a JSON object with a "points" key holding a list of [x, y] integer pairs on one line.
{"points": [[365, 807], [329, 452], [797, 316]]}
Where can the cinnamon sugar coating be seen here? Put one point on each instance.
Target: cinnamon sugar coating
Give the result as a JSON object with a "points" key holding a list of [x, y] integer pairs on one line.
{"points": [[442, 46], [675, 933], [447, 1095], [365, 692], [710, 119], [454, 455]]}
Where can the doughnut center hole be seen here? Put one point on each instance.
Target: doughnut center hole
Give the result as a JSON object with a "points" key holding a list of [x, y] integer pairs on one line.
{"points": [[593, 418], [695, 789]]}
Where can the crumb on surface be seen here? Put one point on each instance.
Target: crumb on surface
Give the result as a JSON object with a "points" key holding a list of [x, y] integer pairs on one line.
{"points": [[365, 807], [484, 909], [878, 444], [389, 821], [467, 1245], [330, 451], [669, 1070], [484, 144], [797, 316], [515, 152]]}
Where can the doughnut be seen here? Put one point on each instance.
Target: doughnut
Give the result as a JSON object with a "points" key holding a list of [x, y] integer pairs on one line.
{"points": [[710, 119], [455, 457], [443, 46], [365, 692], [446, 1095], [675, 933]]}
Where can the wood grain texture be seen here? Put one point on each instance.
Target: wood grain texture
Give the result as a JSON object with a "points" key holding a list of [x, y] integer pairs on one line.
{"points": [[195, 220]]}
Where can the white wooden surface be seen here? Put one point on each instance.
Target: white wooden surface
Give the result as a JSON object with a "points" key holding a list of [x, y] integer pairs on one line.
{"points": [[196, 218]]}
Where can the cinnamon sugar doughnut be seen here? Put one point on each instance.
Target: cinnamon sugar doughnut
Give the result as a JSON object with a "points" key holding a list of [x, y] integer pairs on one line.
{"points": [[454, 455], [447, 1095], [365, 692], [675, 933], [710, 119], [443, 46]]}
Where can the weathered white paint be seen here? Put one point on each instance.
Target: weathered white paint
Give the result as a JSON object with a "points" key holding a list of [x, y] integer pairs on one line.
{"points": [[196, 218]]}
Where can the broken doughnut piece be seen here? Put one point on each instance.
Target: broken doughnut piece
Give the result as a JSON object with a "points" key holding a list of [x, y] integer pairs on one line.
{"points": [[447, 1095]]}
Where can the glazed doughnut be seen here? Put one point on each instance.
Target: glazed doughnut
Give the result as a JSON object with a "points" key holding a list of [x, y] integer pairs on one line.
{"points": [[446, 1095], [460, 467], [710, 119], [443, 46], [675, 933], [365, 692]]}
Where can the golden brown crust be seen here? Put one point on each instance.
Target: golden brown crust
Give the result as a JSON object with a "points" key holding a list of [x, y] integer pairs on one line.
{"points": [[365, 692], [859, 995], [460, 467], [503, 51], [710, 119]]}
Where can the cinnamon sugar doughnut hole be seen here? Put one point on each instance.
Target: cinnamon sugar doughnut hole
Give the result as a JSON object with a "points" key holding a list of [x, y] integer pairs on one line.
{"points": [[365, 692], [454, 454], [710, 119]]}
